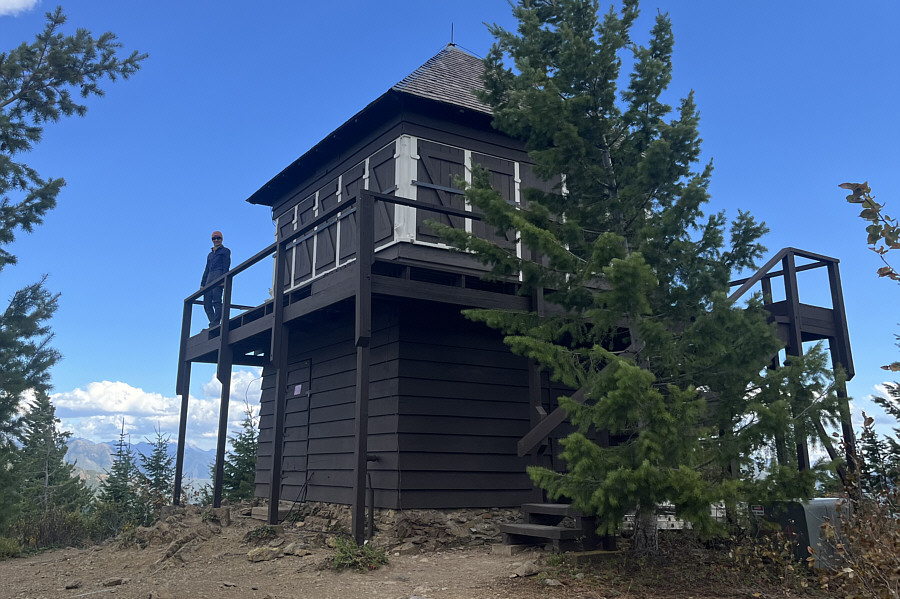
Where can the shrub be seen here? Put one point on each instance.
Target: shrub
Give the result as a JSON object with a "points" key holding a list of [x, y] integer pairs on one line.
{"points": [[347, 554], [770, 555], [869, 548], [54, 527], [9, 548]]}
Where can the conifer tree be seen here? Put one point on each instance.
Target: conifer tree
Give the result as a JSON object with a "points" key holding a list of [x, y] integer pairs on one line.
{"points": [[52, 499], [239, 469], [47, 479], [40, 82], [122, 494], [159, 470], [635, 271], [878, 471]]}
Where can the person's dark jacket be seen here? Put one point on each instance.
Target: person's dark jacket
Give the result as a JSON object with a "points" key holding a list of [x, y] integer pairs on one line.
{"points": [[217, 264]]}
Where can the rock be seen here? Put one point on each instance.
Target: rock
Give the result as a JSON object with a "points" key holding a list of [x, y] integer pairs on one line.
{"points": [[228, 584], [264, 554], [509, 550], [552, 582], [297, 548], [406, 548], [459, 531], [276, 542], [527, 569], [75, 584], [222, 515], [114, 582]]}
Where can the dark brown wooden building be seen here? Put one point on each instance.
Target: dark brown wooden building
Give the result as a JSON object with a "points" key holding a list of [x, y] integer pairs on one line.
{"points": [[367, 331]]}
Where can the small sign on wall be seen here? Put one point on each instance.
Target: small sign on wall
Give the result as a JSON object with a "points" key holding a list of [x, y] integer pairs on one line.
{"points": [[298, 389]]}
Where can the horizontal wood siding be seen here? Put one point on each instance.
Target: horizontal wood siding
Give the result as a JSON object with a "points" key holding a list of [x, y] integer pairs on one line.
{"points": [[463, 407], [317, 462]]}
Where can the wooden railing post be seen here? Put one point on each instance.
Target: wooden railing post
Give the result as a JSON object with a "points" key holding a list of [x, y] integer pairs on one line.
{"points": [[184, 372], [795, 342], [278, 357], [841, 356], [223, 373], [365, 255]]}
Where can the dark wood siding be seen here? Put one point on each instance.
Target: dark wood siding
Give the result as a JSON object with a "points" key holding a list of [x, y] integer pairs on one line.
{"points": [[438, 167], [326, 241], [463, 407], [382, 179], [303, 252], [531, 181], [503, 179], [448, 404], [341, 239], [352, 182], [319, 416]]}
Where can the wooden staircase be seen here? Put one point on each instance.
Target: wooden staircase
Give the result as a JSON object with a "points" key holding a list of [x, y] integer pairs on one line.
{"points": [[556, 524]]}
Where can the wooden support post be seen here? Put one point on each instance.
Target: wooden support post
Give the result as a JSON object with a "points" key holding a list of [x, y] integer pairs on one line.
{"points": [[795, 340], [766, 284], [184, 371], [222, 435], [223, 373], [365, 226], [841, 356], [536, 411], [182, 347], [278, 357], [791, 294]]}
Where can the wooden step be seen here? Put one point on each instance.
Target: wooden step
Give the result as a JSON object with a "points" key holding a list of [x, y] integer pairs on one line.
{"points": [[542, 531], [551, 509]]}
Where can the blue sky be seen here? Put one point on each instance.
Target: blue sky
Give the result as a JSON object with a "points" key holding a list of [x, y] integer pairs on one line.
{"points": [[795, 98]]}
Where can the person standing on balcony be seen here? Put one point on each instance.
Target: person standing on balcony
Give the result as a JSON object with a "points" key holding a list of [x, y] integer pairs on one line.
{"points": [[217, 264]]}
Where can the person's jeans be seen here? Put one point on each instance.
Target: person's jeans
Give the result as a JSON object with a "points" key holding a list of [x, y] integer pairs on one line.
{"points": [[212, 303]]}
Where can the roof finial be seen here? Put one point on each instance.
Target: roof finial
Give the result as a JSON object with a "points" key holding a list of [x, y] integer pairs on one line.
{"points": [[451, 34]]}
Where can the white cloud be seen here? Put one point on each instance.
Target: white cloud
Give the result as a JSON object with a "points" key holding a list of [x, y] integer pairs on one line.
{"points": [[97, 410], [15, 7]]}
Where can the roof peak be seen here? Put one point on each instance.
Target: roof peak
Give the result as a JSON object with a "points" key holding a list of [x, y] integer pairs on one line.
{"points": [[451, 76]]}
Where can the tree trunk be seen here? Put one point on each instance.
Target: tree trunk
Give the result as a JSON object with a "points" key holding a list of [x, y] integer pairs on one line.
{"points": [[646, 538]]}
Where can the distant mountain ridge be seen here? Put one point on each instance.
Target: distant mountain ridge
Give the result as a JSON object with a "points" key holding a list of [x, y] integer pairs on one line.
{"points": [[93, 460]]}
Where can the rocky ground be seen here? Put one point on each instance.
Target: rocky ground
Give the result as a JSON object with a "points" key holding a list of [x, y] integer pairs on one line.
{"points": [[222, 554]]}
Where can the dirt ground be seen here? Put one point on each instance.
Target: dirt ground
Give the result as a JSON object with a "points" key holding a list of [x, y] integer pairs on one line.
{"points": [[188, 556]]}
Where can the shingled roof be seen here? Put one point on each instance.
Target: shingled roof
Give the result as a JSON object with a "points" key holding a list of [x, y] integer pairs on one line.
{"points": [[450, 76]]}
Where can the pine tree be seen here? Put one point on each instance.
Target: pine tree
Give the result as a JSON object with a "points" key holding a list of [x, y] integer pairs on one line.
{"points": [[48, 480], [239, 469], [637, 272], [159, 470], [52, 499], [877, 470], [39, 83], [122, 494]]}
